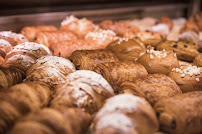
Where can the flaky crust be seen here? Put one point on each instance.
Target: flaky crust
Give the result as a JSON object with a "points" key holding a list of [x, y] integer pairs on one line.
{"points": [[152, 87], [180, 114], [135, 113], [88, 59], [185, 51], [49, 71], [31, 31], [127, 49], [49, 38], [198, 60], [117, 72], [32, 98], [160, 62], [84, 89]]}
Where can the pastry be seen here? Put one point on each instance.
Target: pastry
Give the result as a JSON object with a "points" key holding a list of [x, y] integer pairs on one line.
{"points": [[18, 38], [198, 60]]}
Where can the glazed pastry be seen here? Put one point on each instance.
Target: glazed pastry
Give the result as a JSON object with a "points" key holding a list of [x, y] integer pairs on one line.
{"points": [[120, 28], [100, 38], [117, 72], [50, 121], [160, 62], [127, 49], [49, 71], [31, 31], [88, 59], [49, 38], [80, 27], [184, 50], [66, 48], [152, 87], [18, 38], [19, 100], [188, 77], [180, 114], [84, 89], [126, 114], [198, 60], [150, 38], [18, 60]]}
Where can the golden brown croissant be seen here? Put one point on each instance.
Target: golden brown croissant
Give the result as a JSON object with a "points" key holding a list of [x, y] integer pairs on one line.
{"points": [[19, 100], [50, 71], [160, 62], [181, 114], [80, 27], [153, 87], [188, 77], [51, 121], [18, 60], [49, 38], [117, 72], [88, 59], [84, 89], [65, 48], [31, 31], [126, 114], [127, 49]]}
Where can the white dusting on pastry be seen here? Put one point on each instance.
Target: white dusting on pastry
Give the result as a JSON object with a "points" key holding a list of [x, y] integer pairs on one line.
{"points": [[197, 79], [69, 19], [117, 121], [190, 37], [4, 43], [122, 39], [158, 54], [15, 36], [161, 28], [188, 70]]}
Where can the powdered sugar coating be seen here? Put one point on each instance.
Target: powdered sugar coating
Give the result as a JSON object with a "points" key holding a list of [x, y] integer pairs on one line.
{"points": [[69, 19], [161, 28], [92, 77], [188, 70], [120, 103], [115, 120], [15, 36], [159, 54]]}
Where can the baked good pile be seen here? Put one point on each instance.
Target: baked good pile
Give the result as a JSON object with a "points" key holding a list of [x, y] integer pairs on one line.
{"points": [[141, 76]]}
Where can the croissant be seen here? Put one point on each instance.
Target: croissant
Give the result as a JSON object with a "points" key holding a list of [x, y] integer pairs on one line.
{"points": [[88, 59], [153, 87], [80, 27], [49, 38], [17, 38], [66, 48], [158, 61], [49, 71], [19, 100], [84, 89], [125, 114], [117, 72], [127, 49], [51, 121], [31, 31], [180, 114], [18, 60]]}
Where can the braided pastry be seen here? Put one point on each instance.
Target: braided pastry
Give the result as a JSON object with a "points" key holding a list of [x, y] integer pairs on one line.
{"points": [[19, 100], [49, 71], [84, 89], [125, 114], [31, 31], [88, 59]]}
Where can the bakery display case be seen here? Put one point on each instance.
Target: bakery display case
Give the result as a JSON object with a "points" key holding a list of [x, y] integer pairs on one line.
{"points": [[100, 67]]}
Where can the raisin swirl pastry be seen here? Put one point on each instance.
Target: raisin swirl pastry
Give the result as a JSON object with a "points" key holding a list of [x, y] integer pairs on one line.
{"points": [[184, 50], [88, 59], [117, 72], [49, 71], [188, 77], [180, 114], [18, 60], [152, 87], [84, 89], [49, 38], [125, 114], [80, 27], [198, 60], [159, 61], [51, 121], [31, 31], [127, 49], [19, 100]]}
